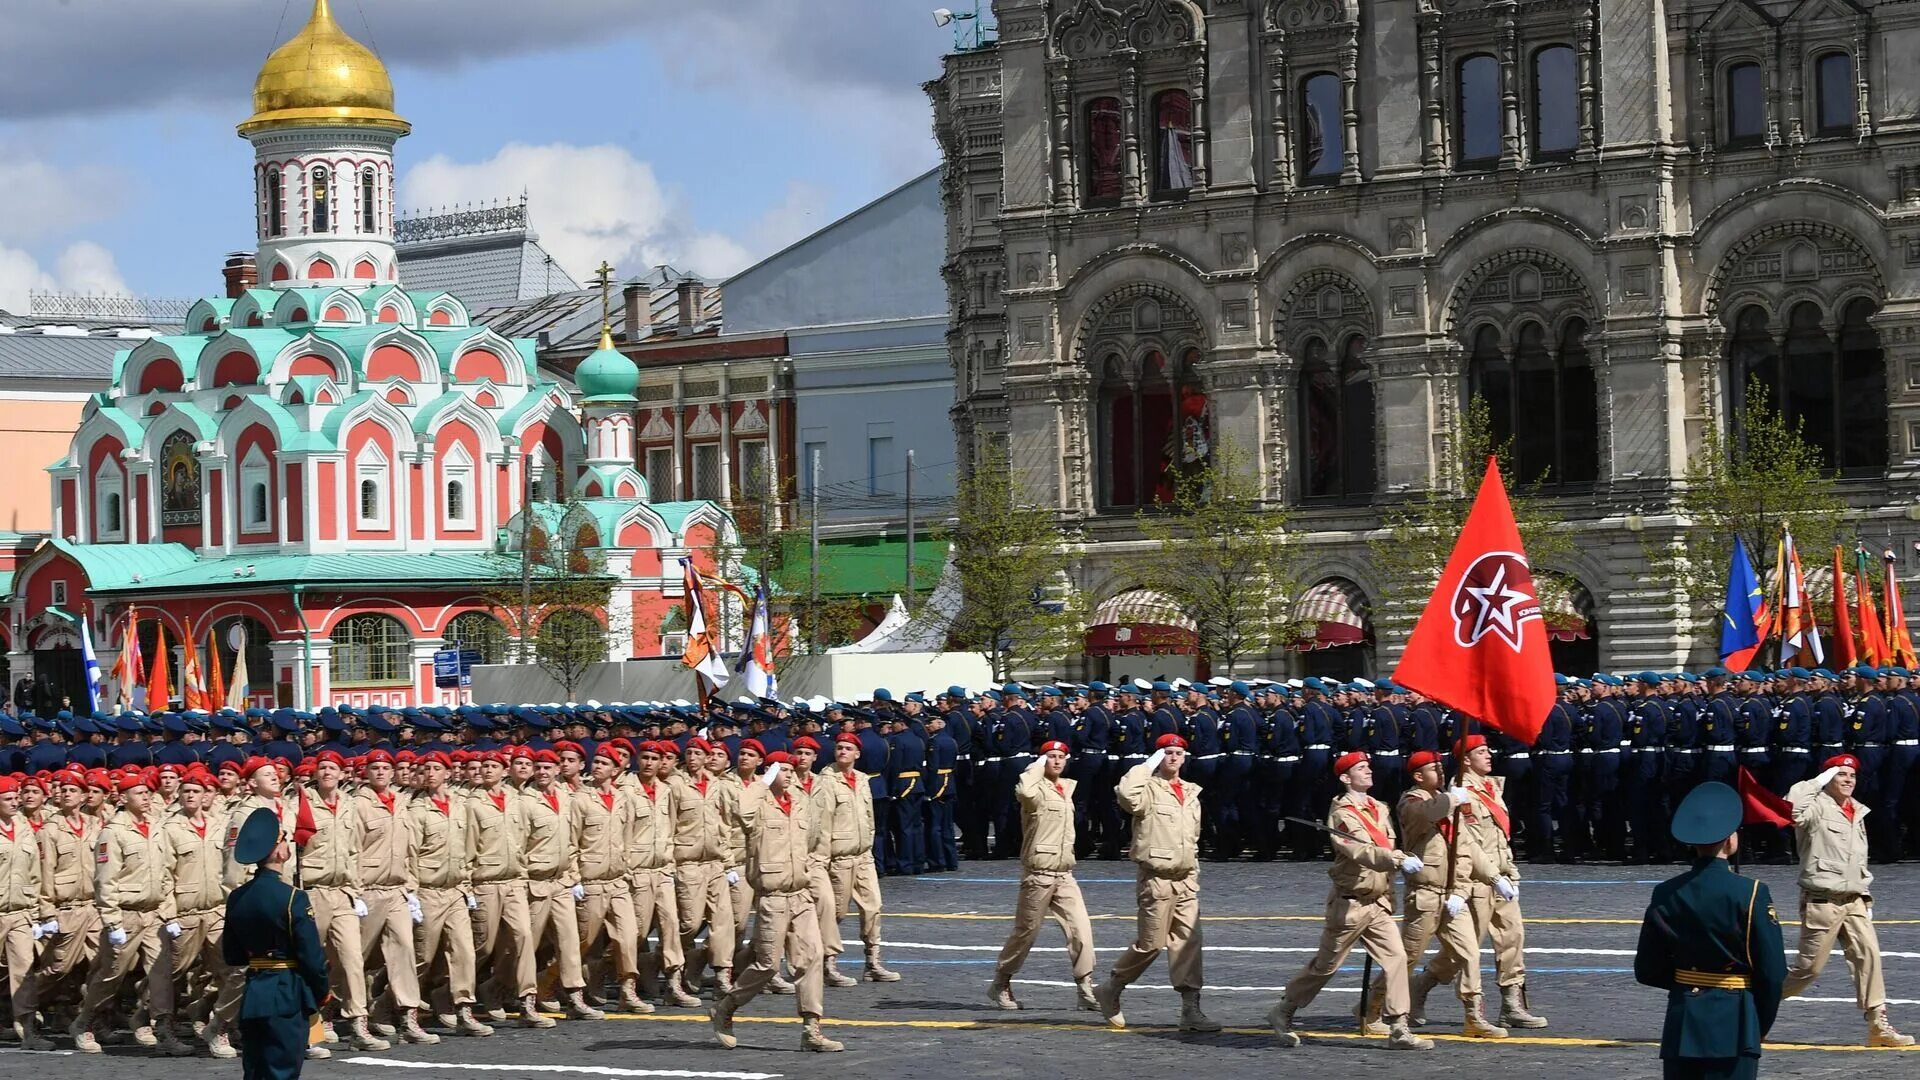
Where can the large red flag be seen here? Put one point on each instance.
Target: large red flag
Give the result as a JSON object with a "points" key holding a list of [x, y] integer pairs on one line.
{"points": [[1843, 653], [1759, 805], [1873, 643], [1481, 645]]}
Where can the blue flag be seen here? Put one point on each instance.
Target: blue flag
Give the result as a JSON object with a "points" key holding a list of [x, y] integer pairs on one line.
{"points": [[90, 665], [1739, 616]]}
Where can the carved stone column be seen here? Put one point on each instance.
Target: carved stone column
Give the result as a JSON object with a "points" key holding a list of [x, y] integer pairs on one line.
{"points": [[1589, 89], [1509, 94], [1432, 108], [1135, 189], [1059, 86], [1278, 85], [1197, 122], [1350, 108]]}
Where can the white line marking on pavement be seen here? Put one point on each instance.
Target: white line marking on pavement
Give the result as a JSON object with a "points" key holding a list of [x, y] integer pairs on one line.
{"points": [[453, 1067], [1355, 990], [1542, 950], [48, 1053]]}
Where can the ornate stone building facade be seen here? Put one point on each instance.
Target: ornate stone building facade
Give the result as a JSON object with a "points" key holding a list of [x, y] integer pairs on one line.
{"points": [[1311, 229]]}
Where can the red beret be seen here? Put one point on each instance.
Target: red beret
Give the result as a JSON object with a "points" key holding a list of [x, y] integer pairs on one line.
{"points": [[100, 778], [1468, 744], [1842, 761], [568, 746], [9, 783], [1051, 745], [621, 744], [546, 757], [715, 746], [306, 769], [253, 765], [1347, 761], [807, 742], [847, 737], [77, 777], [131, 779], [520, 751], [604, 750], [779, 757], [698, 743], [401, 757], [196, 778], [436, 758], [177, 770], [754, 745], [665, 748], [1420, 759], [149, 776], [378, 757], [37, 780], [327, 757], [1169, 739]]}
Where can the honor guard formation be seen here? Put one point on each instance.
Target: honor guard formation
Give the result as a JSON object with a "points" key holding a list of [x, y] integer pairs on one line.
{"points": [[464, 868]]}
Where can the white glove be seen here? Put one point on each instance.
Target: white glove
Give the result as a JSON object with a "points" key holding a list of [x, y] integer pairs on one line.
{"points": [[414, 909], [39, 931], [1154, 760], [174, 929], [772, 774], [359, 907], [1505, 888], [1412, 865], [52, 927], [1826, 778], [473, 904], [116, 937], [579, 892], [1456, 906], [733, 877], [1459, 795]]}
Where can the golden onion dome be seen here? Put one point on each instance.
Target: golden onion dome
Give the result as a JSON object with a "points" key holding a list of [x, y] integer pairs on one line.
{"points": [[323, 78]]}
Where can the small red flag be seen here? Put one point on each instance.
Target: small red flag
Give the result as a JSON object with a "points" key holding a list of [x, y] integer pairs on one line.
{"points": [[1843, 652], [1759, 805], [1481, 645]]}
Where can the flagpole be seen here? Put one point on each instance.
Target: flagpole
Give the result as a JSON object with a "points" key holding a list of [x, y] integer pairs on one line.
{"points": [[1460, 780]]}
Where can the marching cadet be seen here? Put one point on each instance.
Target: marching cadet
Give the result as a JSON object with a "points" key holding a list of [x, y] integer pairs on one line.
{"points": [[383, 840], [67, 845], [502, 922], [1711, 940], [324, 831], [602, 822], [262, 792], [1836, 892], [27, 916], [650, 849], [1166, 856], [700, 882], [846, 809], [1492, 828], [1359, 907], [805, 751], [1047, 885], [553, 885], [779, 828], [271, 934], [734, 782], [441, 829], [1439, 904], [196, 845], [133, 887]]}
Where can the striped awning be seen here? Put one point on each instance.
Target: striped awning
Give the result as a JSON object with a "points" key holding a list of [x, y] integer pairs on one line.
{"points": [[1335, 613], [1567, 611], [1139, 622]]}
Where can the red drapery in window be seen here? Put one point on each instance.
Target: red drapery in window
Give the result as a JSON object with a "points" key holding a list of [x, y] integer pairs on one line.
{"points": [[1104, 148], [1123, 463], [1174, 121]]}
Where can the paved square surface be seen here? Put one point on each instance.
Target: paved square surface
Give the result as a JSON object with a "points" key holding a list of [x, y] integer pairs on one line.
{"points": [[1261, 924]]}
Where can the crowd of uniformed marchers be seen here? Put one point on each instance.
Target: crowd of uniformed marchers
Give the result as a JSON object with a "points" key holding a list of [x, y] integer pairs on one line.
{"points": [[467, 866]]}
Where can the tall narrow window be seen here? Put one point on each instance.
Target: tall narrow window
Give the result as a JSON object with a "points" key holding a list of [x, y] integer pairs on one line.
{"points": [[1336, 400], [1863, 390], [1540, 395], [1154, 427], [369, 502], [276, 219], [322, 199], [456, 502], [1808, 376], [369, 210], [1746, 105], [370, 649], [1322, 130], [1833, 386], [1579, 410], [1491, 378], [706, 471], [1556, 103], [372, 470], [756, 473], [1479, 112], [660, 474], [1834, 78], [1172, 144], [1104, 150]]}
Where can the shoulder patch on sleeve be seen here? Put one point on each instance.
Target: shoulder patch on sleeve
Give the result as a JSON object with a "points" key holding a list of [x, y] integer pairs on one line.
{"points": [[100, 854]]}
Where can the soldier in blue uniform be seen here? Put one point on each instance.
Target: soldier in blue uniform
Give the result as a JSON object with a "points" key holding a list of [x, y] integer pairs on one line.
{"points": [[1711, 940], [989, 761], [1128, 748], [1318, 718], [1641, 787], [1013, 742], [907, 783], [943, 850], [873, 762], [1719, 720], [1903, 753], [1553, 772], [270, 933], [1091, 768], [1237, 799]]}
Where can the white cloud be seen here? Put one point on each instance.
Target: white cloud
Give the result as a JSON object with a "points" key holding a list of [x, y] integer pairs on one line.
{"points": [[589, 203], [84, 267], [47, 200]]}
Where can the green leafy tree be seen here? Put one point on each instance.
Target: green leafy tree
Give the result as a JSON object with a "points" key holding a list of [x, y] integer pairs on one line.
{"points": [[1221, 555], [1748, 482], [1018, 606], [1418, 533], [569, 641], [557, 571]]}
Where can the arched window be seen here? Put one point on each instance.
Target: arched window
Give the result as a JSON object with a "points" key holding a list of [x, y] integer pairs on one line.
{"points": [[1153, 426], [1746, 104], [1478, 117], [1337, 421], [1172, 144], [1556, 103], [1541, 395], [113, 522], [1832, 385], [456, 501], [1104, 153], [322, 199], [369, 501], [480, 632], [369, 210], [242, 634], [371, 648], [276, 210], [1322, 129], [1833, 80]]}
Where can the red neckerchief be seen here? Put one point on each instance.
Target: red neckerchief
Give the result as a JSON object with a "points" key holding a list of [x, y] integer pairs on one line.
{"points": [[606, 798], [1487, 799], [849, 775], [442, 804], [80, 830], [1369, 819], [1845, 808], [648, 788], [386, 799], [7, 831], [700, 784], [553, 800], [1062, 791], [785, 803], [333, 804], [499, 800], [35, 825], [1179, 793], [806, 783], [199, 827], [141, 825]]}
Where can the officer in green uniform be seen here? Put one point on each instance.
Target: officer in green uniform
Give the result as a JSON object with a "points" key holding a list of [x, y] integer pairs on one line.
{"points": [[1711, 940], [270, 931]]}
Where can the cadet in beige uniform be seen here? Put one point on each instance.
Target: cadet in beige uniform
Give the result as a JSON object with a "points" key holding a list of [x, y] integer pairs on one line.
{"points": [[25, 913], [133, 887], [383, 840], [442, 849], [67, 845], [1359, 906], [700, 882], [1166, 856], [805, 751], [739, 887], [1496, 908], [602, 823], [196, 844], [650, 874], [846, 809], [553, 880], [497, 854], [1047, 885], [262, 792], [330, 876], [778, 829], [1836, 892]]}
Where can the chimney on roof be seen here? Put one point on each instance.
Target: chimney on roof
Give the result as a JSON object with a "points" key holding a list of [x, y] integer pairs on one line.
{"points": [[637, 299], [241, 274], [693, 295]]}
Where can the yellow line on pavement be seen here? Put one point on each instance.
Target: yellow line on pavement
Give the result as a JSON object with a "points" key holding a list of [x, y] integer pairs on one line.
{"points": [[975, 916]]}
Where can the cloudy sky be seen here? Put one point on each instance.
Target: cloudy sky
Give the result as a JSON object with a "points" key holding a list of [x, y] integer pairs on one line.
{"points": [[702, 133]]}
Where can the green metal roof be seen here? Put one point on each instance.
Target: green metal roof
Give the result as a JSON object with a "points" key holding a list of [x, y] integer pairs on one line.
{"points": [[865, 566], [111, 567], [344, 568]]}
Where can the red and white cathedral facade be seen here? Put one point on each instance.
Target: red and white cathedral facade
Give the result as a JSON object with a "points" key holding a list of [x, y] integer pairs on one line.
{"points": [[329, 472]]}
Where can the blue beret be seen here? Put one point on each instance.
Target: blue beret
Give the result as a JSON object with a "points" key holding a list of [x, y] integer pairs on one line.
{"points": [[1608, 679], [1799, 673], [1561, 680], [883, 694], [1822, 673], [1716, 672], [1162, 687]]}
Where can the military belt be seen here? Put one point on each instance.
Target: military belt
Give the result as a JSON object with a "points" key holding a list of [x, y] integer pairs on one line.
{"points": [[1720, 748], [1517, 754], [1906, 742], [269, 963], [1319, 746], [1711, 980], [906, 775], [1558, 753]]}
